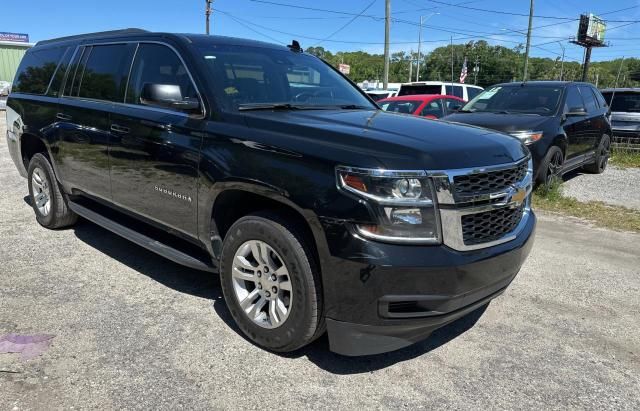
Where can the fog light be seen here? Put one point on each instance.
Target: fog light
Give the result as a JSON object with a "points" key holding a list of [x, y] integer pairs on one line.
{"points": [[405, 215]]}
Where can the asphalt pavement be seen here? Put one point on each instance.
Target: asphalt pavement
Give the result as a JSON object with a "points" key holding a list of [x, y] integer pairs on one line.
{"points": [[133, 330]]}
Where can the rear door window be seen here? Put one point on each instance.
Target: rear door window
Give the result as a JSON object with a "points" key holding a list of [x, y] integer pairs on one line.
{"points": [[104, 73], [36, 70], [589, 99], [158, 64]]}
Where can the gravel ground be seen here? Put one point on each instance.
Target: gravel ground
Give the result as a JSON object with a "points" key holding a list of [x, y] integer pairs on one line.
{"points": [[136, 331], [615, 186]]}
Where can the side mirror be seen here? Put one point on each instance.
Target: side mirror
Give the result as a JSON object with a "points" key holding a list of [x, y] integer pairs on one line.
{"points": [[576, 112], [166, 95]]}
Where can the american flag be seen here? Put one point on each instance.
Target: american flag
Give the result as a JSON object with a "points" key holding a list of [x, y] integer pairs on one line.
{"points": [[463, 73]]}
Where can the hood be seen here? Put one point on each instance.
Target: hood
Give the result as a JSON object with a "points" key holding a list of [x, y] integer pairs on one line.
{"points": [[506, 123], [625, 121], [374, 138]]}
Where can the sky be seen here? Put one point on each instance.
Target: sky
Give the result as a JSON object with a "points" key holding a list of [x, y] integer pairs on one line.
{"points": [[340, 25]]}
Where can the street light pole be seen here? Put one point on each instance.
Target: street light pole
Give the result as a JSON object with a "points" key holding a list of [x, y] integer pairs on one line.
{"points": [[526, 54], [387, 29], [422, 20], [561, 64]]}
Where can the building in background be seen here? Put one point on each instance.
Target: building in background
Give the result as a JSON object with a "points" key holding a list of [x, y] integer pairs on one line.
{"points": [[12, 48]]}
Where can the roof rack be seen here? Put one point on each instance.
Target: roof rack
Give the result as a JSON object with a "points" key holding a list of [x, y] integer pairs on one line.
{"points": [[96, 34]]}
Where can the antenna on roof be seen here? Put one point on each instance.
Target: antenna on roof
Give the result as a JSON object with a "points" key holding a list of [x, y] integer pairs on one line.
{"points": [[295, 46]]}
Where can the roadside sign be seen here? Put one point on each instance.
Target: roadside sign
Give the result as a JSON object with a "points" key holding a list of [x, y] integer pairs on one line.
{"points": [[14, 37]]}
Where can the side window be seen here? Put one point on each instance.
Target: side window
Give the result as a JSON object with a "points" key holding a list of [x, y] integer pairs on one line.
{"points": [[433, 108], [454, 91], [36, 69], [58, 77], [103, 73], [472, 92], [589, 99], [599, 98], [452, 105], [158, 64], [573, 100]]}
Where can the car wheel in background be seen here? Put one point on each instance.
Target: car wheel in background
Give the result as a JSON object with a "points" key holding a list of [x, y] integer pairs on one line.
{"points": [[270, 282], [48, 202], [601, 158]]}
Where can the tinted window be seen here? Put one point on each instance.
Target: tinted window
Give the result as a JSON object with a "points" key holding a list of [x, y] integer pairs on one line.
{"points": [[158, 64], [624, 101], [400, 106], [473, 92], [599, 98], [254, 75], [452, 105], [103, 73], [58, 77], [574, 100], [454, 91], [36, 70], [432, 109], [541, 100], [410, 90], [589, 99]]}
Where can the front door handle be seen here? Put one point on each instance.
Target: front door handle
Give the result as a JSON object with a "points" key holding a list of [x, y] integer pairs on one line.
{"points": [[119, 129], [63, 117]]}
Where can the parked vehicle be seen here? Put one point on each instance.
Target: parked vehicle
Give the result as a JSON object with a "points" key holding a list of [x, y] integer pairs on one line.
{"points": [[564, 124], [5, 87], [377, 95], [432, 106], [464, 91], [266, 165], [624, 105]]}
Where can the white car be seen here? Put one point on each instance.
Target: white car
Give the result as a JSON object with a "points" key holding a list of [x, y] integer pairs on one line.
{"points": [[464, 91], [380, 94]]}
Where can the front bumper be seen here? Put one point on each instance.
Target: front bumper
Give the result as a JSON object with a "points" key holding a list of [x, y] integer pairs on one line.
{"points": [[383, 297]]}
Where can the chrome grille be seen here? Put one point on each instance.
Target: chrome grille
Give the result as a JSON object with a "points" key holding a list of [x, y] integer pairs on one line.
{"points": [[489, 182], [490, 225]]}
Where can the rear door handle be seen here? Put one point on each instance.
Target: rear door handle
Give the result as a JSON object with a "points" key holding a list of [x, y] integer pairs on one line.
{"points": [[119, 129], [63, 117]]}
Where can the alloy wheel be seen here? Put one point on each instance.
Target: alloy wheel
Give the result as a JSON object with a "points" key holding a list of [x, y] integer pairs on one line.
{"points": [[553, 169], [261, 284], [605, 151], [41, 191]]}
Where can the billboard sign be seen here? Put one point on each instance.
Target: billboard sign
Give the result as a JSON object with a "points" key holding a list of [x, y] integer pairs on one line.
{"points": [[344, 68], [14, 37], [591, 30]]}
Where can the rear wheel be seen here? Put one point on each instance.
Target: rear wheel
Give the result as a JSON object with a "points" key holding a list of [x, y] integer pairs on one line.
{"points": [[551, 167], [601, 158], [48, 201], [270, 282]]}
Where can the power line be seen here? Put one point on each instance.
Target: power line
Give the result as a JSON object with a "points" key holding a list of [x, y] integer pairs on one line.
{"points": [[500, 11], [347, 23]]}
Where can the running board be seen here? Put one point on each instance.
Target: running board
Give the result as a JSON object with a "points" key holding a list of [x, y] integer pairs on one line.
{"points": [[141, 239]]}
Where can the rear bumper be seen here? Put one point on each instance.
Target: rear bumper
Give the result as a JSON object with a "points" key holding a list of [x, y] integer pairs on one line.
{"points": [[412, 291]]}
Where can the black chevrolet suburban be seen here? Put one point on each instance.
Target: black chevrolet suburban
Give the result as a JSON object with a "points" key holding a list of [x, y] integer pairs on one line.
{"points": [[266, 165]]}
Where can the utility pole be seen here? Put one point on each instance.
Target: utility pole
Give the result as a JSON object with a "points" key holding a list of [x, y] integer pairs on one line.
{"points": [[387, 28], [452, 64], [476, 69], [419, 45], [585, 65], [561, 64], [410, 65], [526, 53], [207, 13]]}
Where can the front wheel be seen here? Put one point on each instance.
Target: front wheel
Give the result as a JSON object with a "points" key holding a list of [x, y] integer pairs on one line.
{"points": [[270, 282], [601, 158], [551, 166]]}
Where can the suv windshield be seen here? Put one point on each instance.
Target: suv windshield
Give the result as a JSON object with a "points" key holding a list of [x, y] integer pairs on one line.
{"points": [[247, 77], [542, 100], [623, 101]]}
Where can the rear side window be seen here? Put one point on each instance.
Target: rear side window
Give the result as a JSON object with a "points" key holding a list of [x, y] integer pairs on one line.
{"points": [[574, 100], [158, 64], [472, 92], [36, 70], [454, 91], [589, 99], [104, 70]]}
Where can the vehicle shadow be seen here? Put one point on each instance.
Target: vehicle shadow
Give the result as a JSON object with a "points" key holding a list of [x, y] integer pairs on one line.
{"points": [[206, 285], [572, 174]]}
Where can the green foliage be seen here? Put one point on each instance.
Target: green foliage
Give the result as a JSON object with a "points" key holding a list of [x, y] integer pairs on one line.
{"points": [[497, 64]]}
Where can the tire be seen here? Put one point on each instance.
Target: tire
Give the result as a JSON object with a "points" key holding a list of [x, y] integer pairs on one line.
{"points": [[602, 157], [48, 202], [304, 320], [551, 166]]}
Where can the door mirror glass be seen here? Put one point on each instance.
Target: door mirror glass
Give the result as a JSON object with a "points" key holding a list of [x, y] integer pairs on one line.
{"points": [[166, 95]]}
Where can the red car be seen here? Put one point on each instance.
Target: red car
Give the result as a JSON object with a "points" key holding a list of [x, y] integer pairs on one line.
{"points": [[431, 106]]}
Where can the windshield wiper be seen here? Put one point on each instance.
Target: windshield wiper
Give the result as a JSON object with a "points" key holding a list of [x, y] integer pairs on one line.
{"points": [[354, 107], [269, 106], [466, 111]]}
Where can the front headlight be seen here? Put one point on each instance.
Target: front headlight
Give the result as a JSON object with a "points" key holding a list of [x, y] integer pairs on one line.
{"points": [[403, 202], [527, 137]]}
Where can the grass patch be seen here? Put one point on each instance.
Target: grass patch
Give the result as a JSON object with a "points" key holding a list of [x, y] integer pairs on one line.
{"points": [[598, 213], [624, 157]]}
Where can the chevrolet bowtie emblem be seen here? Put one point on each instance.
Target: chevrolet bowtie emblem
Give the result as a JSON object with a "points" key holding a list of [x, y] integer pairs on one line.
{"points": [[519, 196]]}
